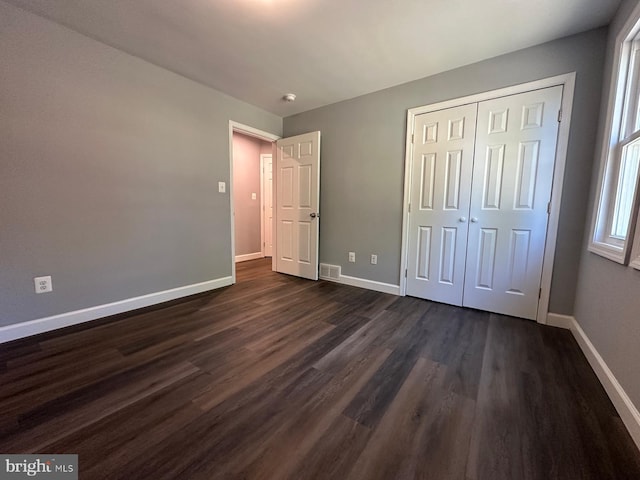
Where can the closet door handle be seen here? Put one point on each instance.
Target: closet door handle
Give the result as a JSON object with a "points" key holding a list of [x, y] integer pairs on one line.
{"points": [[462, 219], [474, 219]]}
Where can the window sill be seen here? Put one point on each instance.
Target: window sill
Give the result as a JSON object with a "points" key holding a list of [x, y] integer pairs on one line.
{"points": [[607, 251]]}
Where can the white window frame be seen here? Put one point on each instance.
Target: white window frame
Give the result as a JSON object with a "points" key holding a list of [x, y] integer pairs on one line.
{"points": [[618, 134], [636, 262]]}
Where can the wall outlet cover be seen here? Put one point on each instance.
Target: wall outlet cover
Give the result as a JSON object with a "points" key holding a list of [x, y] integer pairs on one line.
{"points": [[43, 284]]}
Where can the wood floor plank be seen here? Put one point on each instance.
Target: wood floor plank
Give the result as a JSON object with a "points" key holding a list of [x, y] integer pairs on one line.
{"points": [[584, 408], [227, 430], [371, 333], [78, 409], [235, 380], [466, 353], [279, 377], [105, 446], [285, 454], [371, 403], [495, 451], [335, 453], [40, 382], [393, 450]]}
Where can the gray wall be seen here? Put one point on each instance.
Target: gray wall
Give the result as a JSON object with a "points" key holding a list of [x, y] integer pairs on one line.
{"points": [[607, 300], [363, 148], [246, 181], [108, 172]]}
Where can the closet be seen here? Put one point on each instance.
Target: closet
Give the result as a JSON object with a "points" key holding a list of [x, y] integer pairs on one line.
{"points": [[480, 187]]}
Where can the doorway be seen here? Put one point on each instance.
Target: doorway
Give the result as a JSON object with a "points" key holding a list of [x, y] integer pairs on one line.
{"points": [[246, 183], [250, 196], [295, 202]]}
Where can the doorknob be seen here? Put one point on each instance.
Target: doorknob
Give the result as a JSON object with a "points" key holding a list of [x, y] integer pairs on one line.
{"points": [[313, 215], [462, 219], [474, 219]]}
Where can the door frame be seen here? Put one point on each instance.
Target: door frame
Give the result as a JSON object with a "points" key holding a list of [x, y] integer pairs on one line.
{"points": [[263, 223], [568, 82], [251, 132]]}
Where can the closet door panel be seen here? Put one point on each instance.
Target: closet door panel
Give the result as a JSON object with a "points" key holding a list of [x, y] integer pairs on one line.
{"points": [[439, 204], [513, 167]]}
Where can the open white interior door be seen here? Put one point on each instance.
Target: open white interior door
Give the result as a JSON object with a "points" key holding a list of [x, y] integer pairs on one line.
{"points": [[297, 204]]}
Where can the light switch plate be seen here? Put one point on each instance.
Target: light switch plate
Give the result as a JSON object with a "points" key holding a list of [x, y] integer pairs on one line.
{"points": [[222, 187], [253, 196]]}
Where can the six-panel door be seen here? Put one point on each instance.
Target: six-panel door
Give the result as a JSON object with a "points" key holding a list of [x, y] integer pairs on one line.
{"points": [[440, 195], [297, 203], [479, 202], [515, 153]]}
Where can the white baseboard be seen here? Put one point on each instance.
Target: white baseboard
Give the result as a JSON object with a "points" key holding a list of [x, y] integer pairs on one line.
{"points": [[249, 256], [562, 321], [41, 325], [625, 407], [363, 283]]}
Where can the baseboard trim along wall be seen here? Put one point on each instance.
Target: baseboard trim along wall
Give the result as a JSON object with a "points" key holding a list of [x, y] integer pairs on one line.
{"points": [[249, 256], [41, 325], [623, 404], [363, 283]]}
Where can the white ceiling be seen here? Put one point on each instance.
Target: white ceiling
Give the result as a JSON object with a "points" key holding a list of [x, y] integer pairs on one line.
{"points": [[324, 51]]}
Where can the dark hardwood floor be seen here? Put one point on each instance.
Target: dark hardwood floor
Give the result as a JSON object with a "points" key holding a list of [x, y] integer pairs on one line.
{"points": [[282, 378]]}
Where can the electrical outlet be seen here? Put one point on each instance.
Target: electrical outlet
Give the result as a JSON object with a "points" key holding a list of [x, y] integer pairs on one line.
{"points": [[352, 257], [222, 187], [374, 259], [43, 284], [254, 196]]}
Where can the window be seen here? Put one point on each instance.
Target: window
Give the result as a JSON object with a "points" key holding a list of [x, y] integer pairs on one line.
{"points": [[614, 217], [626, 184]]}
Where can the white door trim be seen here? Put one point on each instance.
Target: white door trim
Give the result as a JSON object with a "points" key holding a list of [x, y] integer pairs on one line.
{"points": [[568, 82], [263, 223], [252, 132]]}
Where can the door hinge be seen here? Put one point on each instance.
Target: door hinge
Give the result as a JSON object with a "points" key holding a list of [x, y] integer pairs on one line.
{"points": [[549, 208], [559, 115], [405, 273], [412, 136], [409, 208], [540, 294]]}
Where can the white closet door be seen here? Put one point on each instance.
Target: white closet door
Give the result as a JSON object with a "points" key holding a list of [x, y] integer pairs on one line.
{"points": [[439, 205], [512, 178]]}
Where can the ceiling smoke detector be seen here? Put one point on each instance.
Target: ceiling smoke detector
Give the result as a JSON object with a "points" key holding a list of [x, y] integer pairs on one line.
{"points": [[289, 97]]}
